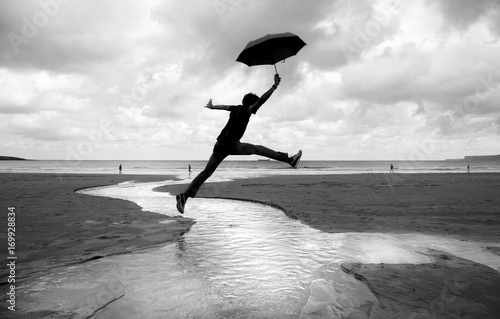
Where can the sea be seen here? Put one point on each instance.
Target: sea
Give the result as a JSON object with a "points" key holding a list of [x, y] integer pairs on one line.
{"points": [[244, 168]]}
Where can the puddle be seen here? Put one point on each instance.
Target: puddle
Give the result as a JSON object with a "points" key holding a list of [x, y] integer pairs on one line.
{"points": [[240, 260]]}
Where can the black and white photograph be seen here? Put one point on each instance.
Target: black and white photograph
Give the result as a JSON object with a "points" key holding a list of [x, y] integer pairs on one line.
{"points": [[250, 159]]}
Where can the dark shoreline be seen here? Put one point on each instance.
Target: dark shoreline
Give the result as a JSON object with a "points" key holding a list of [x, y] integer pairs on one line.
{"points": [[12, 158]]}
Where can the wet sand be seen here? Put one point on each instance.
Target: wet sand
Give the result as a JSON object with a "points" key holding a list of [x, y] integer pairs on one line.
{"points": [[461, 206], [56, 226]]}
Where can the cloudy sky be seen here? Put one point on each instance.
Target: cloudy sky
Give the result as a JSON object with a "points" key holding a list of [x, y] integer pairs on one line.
{"points": [[110, 79]]}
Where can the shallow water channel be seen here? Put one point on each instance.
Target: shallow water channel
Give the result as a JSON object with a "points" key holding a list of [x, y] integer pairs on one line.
{"points": [[240, 260]]}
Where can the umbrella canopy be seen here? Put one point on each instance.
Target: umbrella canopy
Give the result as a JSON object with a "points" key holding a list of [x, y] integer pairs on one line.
{"points": [[270, 49]]}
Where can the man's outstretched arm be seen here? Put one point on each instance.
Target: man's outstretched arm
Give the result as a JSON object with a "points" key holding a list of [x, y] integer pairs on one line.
{"points": [[217, 107], [255, 107]]}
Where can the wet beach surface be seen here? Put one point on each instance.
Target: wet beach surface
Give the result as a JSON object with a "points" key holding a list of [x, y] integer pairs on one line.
{"points": [[244, 259]]}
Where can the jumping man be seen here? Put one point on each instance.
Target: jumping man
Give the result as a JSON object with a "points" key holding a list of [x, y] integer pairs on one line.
{"points": [[228, 142]]}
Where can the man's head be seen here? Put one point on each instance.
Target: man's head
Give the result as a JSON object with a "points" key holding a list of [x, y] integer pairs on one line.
{"points": [[249, 99]]}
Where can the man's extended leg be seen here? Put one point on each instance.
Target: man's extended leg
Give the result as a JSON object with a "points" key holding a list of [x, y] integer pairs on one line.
{"points": [[251, 149], [192, 189]]}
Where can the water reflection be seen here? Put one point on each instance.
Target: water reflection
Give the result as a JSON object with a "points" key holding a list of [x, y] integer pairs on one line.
{"points": [[240, 260]]}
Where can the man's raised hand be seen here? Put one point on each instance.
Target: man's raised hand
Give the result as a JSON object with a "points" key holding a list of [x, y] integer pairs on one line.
{"points": [[209, 104], [277, 79]]}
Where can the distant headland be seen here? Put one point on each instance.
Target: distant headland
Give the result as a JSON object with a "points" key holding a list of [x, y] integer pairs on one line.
{"points": [[12, 158], [478, 158]]}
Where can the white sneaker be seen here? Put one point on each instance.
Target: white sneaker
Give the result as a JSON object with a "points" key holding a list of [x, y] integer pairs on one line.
{"points": [[296, 159]]}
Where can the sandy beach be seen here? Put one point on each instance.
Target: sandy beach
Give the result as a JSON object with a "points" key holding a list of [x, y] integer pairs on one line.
{"points": [[461, 206], [56, 227], [464, 206]]}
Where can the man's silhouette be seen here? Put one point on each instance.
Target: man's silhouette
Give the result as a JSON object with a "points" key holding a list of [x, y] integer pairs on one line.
{"points": [[228, 142]]}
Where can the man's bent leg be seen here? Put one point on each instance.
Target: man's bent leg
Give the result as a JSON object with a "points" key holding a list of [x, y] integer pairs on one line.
{"points": [[250, 149], [210, 168]]}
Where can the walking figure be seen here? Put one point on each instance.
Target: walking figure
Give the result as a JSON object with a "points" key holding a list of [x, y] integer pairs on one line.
{"points": [[120, 168], [392, 169], [468, 168], [189, 169], [228, 142]]}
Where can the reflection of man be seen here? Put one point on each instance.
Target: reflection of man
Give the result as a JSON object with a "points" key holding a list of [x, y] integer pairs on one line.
{"points": [[228, 142]]}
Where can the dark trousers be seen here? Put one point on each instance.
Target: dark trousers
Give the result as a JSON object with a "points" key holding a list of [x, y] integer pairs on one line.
{"points": [[222, 150]]}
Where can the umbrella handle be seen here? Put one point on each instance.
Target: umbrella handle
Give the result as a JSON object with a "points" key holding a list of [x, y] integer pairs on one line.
{"points": [[275, 66]]}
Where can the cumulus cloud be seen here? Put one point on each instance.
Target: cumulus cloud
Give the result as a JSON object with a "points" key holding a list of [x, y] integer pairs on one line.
{"points": [[461, 14], [457, 80], [67, 36], [128, 75]]}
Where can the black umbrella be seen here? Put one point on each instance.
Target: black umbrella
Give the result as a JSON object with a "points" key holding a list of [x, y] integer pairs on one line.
{"points": [[271, 49]]}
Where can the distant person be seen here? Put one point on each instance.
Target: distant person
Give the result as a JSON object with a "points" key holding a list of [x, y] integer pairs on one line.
{"points": [[189, 168], [120, 168], [228, 142], [468, 168], [392, 169]]}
